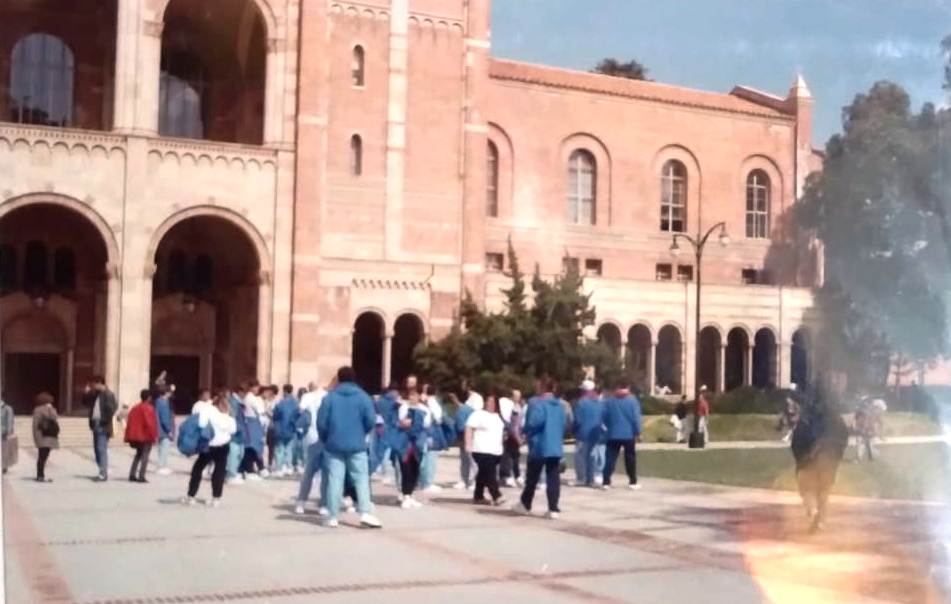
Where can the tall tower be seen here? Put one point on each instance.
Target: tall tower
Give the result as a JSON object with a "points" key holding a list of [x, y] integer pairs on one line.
{"points": [[800, 101]]}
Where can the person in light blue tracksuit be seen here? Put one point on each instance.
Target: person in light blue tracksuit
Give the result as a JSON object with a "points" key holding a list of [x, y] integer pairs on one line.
{"points": [[236, 446], [545, 423], [589, 436], [166, 425], [622, 421], [284, 417], [465, 460], [388, 409]]}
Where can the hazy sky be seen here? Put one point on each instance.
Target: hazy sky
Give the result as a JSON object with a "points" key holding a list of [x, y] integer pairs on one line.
{"points": [[840, 46]]}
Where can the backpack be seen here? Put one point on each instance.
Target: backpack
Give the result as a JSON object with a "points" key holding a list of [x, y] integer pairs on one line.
{"points": [[192, 438], [49, 427]]}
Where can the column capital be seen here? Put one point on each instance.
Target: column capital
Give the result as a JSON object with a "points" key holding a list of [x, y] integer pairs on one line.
{"points": [[275, 45], [264, 278], [112, 271], [149, 272], [153, 29]]}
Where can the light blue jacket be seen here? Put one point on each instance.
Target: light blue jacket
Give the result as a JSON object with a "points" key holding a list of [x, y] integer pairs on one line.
{"points": [[345, 419], [166, 420], [589, 420], [285, 417], [622, 417], [545, 425]]}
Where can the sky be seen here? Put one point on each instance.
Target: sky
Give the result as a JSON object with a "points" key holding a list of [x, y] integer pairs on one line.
{"points": [[841, 47]]}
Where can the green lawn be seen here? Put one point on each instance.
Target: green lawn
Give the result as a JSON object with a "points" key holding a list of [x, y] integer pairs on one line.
{"points": [[753, 427], [917, 472]]}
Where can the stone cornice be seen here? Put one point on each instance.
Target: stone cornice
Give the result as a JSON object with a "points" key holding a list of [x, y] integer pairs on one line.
{"points": [[390, 284]]}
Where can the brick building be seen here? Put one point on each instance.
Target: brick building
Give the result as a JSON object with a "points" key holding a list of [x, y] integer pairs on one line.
{"points": [[240, 188]]}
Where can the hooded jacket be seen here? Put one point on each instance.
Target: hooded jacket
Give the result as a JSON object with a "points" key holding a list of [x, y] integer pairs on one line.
{"points": [[141, 426], [345, 418], [545, 424], [622, 416], [285, 417], [589, 420]]}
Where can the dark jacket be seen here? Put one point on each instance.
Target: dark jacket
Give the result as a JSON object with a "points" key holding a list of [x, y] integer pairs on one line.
{"points": [[107, 408], [820, 433], [345, 418]]}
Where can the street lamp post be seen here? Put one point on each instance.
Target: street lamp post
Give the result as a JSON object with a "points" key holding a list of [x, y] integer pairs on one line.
{"points": [[698, 244]]}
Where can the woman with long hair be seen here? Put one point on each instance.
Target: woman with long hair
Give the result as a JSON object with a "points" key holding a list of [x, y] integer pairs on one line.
{"points": [[484, 431], [217, 414]]}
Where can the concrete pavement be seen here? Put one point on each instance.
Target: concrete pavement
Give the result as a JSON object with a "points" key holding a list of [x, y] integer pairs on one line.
{"points": [[79, 541]]}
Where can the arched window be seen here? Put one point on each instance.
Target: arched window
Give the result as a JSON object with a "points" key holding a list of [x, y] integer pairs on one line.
{"points": [[181, 87], [8, 268], [202, 281], [41, 81], [177, 271], [757, 205], [356, 155], [357, 70], [35, 266], [673, 197], [492, 180], [64, 269], [582, 202]]}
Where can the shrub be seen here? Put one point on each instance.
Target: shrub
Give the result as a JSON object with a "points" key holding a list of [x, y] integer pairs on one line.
{"points": [[651, 405], [747, 399]]}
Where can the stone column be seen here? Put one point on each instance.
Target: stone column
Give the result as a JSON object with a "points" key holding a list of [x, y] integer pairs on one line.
{"points": [[748, 374], [274, 83], [68, 390], [396, 129], [113, 302], [148, 72], [721, 370], [264, 327], [127, 41], [652, 368], [387, 358], [784, 360]]}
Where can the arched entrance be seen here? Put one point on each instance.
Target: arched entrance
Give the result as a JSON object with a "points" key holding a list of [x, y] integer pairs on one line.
{"points": [[638, 361], [213, 66], [669, 360], [609, 335], [710, 363], [205, 297], [367, 351], [764, 359], [799, 359], [737, 359], [408, 332], [53, 301]]}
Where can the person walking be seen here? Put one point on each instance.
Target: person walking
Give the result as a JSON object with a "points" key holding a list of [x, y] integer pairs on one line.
{"points": [[435, 442], [512, 410], [309, 407], [216, 414], [415, 422], [10, 448], [344, 420], [45, 433], [388, 410], [141, 432], [622, 423], [545, 423], [474, 402], [284, 419], [589, 436], [678, 418], [166, 427], [102, 408], [703, 414], [484, 433], [819, 441], [236, 445], [252, 464]]}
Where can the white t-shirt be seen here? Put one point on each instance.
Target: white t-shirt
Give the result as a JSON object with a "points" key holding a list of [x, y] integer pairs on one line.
{"points": [[404, 412], [487, 431], [310, 403], [506, 406], [475, 401], [223, 424]]}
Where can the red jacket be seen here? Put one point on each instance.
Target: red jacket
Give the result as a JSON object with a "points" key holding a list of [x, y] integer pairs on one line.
{"points": [[141, 425]]}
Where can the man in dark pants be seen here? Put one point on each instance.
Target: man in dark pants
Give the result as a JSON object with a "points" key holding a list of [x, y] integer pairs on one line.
{"points": [[545, 423], [102, 406], [622, 422]]}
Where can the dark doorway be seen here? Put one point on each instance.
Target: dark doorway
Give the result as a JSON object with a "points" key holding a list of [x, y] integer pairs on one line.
{"points": [[26, 374], [367, 349], [709, 370], [737, 351], [407, 333], [182, 371]]}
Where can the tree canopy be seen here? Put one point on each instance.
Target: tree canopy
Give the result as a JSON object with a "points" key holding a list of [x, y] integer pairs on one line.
{"points": [[881, 205], [632, 70], [510, 349]]}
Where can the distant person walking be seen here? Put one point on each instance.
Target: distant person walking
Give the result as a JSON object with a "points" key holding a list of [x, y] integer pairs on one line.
{"points": [[310, 403], [141, 432], [345, 419], [703, 414], [415, 422], [589, 437], [545, 423], [678, 419], [216, 414], [819, 441], [513, 414], [166, 427], [45, 433], [484, 433], [622, 421], [101, 410], [285, 416]]}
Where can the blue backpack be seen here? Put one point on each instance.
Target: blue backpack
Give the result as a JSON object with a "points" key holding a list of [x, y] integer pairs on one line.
{"points": [[192, 438]]}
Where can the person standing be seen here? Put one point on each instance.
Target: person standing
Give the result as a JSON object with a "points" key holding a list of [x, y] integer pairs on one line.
{"points": [[166, 427], [622, 423], [388, 406], [513, 414], [589, 436], [10, 442], [141, 432], [309, 407], [545, 423], [819, 441], [236, 445], [101, 411], [679, 417], [484, 433], [703, 414], [45, 432], [252, 465], [344, 420], [284, 417], [474, 402], [436, 441], [216, 414], [415, 423]]}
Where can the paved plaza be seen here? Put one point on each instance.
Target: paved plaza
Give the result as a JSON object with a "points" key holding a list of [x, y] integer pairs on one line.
{"points": [[79, 541]]}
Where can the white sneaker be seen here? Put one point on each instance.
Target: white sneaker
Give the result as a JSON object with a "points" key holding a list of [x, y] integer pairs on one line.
{"points": [[323, 512], [331, 523], [370, 521], [299, 509], [415, 503], [234, 480], [460, 486], [188, 500], [520, 482], [553, 515], [265, 473], [433, 488], [510, 482], [164, 471], [407, 503], [254, 477], [214, 502], [519, 508], [634, 487], [348, 505], [605, 487]]}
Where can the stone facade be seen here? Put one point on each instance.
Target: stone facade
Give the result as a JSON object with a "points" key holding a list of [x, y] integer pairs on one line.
{"points": [[370, 193]]}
